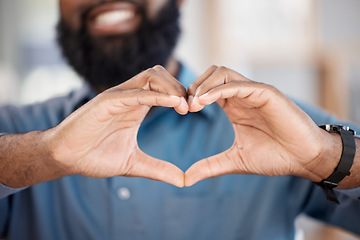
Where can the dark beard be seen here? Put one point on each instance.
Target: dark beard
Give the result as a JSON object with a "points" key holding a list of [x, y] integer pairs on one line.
{"points": [[108, 61]]}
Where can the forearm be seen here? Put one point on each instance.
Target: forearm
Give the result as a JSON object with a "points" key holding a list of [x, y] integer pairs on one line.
{"points": [[25, 159]]}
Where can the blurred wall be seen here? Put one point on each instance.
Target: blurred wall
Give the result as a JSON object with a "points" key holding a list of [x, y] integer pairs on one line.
{"points": [[31, 66], [338, 31], [8, 53], [267, 41]]}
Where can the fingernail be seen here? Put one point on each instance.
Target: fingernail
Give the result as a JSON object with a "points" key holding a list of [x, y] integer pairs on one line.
{"points": [[195, 100], [190, 100], [173, 96], [183, 102], [204, 95]]}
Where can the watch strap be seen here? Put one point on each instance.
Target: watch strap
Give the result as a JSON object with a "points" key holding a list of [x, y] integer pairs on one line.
{"points": [[346, 160]]}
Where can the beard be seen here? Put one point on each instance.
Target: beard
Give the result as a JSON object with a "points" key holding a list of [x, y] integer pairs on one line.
{"points": [[108, 61]]}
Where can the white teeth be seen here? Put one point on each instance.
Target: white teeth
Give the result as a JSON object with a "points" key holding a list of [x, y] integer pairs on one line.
{"points": [[114, 17]]}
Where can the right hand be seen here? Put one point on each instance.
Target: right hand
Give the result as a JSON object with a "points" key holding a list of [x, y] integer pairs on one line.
{"points": [[100, 138]]}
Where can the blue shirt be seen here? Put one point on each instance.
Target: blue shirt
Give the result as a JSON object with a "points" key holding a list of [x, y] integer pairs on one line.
{"points": [[227, 207]]}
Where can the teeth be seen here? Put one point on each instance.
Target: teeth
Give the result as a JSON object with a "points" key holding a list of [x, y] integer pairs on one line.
{"points": [[114, 17]]}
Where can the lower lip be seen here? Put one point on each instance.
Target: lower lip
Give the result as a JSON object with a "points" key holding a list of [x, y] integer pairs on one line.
{"points": [[123, 27]]}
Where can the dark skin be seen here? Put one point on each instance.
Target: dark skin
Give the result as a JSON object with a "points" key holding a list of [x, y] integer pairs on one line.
{"points": [[267, 128]]}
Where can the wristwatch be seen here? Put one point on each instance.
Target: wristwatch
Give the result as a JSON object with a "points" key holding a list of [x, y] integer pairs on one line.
{"points": [[347, 158]]}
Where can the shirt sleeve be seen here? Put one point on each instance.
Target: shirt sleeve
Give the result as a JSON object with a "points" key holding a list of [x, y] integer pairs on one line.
{"points": [[345, 215], [352, 193], [6, 191]]}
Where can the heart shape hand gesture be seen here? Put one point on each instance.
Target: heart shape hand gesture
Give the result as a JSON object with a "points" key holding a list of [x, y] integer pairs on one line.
{"points": [[271, 132]]}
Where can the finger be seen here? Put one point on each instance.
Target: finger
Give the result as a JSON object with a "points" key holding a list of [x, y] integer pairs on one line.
{"points": [[183, 107], [171, 79], [194, 85], [213, 166], [137, 97], [152, 79], [252, 94], [156, 79], [152, 168], [220, 76]]}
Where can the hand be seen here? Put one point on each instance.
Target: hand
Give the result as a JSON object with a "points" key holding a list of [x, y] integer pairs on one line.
{"points": [[273, 136], [99, 139]]}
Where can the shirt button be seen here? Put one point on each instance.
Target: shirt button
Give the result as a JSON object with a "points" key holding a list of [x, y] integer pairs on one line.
{"points": [[123, 193]]}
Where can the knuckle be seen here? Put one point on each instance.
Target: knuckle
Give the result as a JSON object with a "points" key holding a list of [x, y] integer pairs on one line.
{"points": [[149, 76], [199, 90], [223, 69], [269, 88], [182, 88], [191, 88], [108, 94], [150, 72], [183, 91], [158, 68]]}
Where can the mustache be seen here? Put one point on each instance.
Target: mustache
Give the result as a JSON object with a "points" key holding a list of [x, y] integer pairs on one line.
{"points": [[104, 63], [86, 8]]}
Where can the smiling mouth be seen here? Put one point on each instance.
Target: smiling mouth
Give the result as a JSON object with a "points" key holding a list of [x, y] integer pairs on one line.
{"points": [[116, 18]]}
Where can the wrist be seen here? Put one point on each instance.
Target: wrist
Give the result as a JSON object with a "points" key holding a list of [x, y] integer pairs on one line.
{"points": [[329, 157], [326, 157], [52, 149], [27, 160], [342, 170], [42, 158]]}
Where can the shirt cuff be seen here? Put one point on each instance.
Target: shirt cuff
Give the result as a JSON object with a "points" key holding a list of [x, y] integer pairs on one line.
{"points": [[6, 191]]}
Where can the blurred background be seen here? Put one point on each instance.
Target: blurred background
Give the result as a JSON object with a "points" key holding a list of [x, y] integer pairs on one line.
{"points": [[309, 49]]}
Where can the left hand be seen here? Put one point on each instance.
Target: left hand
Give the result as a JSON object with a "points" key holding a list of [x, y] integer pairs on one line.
{"points": [[273, 136]]}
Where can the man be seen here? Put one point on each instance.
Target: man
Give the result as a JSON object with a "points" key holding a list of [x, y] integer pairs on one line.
{"points": [[60, 176]]}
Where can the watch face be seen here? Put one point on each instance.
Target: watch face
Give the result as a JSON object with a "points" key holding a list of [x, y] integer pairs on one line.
{"points": [[337, 128], [345, 128]]}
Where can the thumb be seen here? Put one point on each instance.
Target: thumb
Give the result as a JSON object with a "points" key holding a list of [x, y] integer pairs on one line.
{"points": [[152, 168], [217, 165]]}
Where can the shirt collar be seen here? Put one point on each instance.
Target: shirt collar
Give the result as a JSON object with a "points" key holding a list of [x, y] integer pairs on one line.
{"points": [[186, 77]]}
